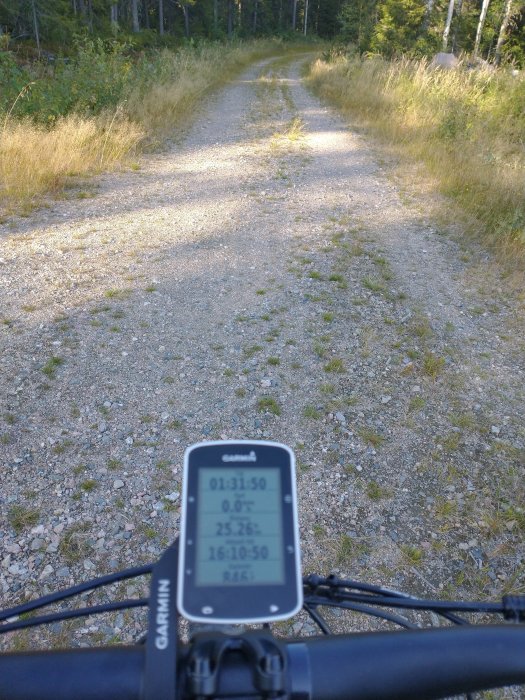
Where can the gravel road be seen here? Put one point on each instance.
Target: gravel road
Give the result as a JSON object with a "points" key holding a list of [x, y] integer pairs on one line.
{"points": [[264, 277]]}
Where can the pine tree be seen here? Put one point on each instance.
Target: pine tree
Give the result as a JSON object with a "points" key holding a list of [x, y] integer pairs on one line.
{"points": [[399, 26]]}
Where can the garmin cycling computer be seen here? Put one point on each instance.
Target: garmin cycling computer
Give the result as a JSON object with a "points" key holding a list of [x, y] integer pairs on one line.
{"points": [[239, 558]]}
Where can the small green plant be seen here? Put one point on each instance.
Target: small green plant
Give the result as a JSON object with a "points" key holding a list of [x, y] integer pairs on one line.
{"points": [[10, 418], [328, 389], [117, 294], [328, 316], [74, 544], [371, 437], [150, 288], [149, 532], [114, 464], [311, 412], [335, 365], [228, 372], [251, 350], [413, 555], [416, 404], [21, 517], [433, 365], [313, 274], [51, 366], [88, 485], [336, 278], [60, 447], [240, 392], [373, 285], [349, 548], [273, 361], [375, 492], [465, 421], [318, 531], [319, 349], [269, 405], [260, 292]]}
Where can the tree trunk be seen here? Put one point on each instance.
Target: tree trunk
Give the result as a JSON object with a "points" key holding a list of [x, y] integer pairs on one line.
{"points": [[161, 17], [450, 14], [305, 17], [135, 16], [215, 16], [294, 15], [35, 27], [74, 4], [502, 31], [230, 18], [146, 14], [481, 23], [186, 11], [255, 17], [82, 8]]}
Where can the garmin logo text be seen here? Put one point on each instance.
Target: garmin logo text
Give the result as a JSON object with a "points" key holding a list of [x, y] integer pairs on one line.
{"points": [[163, 612], [250, 457]]}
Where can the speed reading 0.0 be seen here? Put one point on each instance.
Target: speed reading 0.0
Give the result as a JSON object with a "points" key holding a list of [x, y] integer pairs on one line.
{"points": [[239, 548]]}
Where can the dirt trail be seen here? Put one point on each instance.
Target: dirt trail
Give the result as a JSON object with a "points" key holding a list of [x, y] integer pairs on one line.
{"points": [[266, 279]]}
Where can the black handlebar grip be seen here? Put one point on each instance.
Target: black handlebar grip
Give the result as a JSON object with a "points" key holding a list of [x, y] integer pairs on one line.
{"points": [[114, 673], [417, 665]]}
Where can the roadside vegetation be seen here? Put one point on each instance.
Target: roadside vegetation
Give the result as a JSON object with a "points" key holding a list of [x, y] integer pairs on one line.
{"points": [[467, 126], [100, 108]]}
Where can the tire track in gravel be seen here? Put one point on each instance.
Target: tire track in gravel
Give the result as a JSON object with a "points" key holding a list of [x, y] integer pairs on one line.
{"points": [[263, 279]]}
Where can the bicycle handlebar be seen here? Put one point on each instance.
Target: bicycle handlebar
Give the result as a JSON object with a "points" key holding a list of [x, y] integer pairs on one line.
{"points": [[413, 665]]}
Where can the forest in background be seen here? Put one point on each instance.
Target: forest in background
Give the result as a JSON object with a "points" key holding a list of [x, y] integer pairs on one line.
{"points": [[491, 29]]}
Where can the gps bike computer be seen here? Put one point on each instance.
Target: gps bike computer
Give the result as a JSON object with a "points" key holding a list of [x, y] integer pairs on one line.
{"points": [[239, 557]]}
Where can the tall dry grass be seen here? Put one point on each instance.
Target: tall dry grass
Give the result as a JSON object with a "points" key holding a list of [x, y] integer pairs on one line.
{"points": [[468, 126], [35, 159]]}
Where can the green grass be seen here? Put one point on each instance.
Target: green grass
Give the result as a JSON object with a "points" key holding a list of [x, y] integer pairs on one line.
{"points": [[266, 404], [274, 361], [371, 437], [51, 366], [21, 517], [74, 544], [251, 350], [433, 365], [412, 555], [376, 492], [335, 365], [311, 412]]}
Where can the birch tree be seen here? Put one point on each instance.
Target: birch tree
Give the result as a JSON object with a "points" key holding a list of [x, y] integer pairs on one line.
{"points": [[161, 17], [503, 31], [450, 14], [481, 24], [35, 26], [135, 16], [305, 28]]}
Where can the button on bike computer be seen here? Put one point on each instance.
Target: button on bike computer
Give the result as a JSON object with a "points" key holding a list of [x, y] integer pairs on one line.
{"points": [[239, 558]]}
